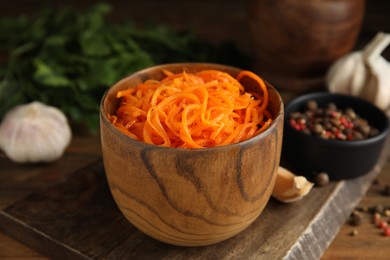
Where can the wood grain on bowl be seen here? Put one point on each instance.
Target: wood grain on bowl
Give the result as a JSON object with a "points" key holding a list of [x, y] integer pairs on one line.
{"points": [[190, 197]]}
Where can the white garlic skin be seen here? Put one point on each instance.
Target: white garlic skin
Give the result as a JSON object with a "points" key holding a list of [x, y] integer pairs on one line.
{"points": [[364, 73], [34, 132]]}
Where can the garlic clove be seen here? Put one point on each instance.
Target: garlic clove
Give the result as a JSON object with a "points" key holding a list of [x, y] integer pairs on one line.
{"points": [[381, 84], [379, 88], [34, 132], [348, 75], [340, 82], [289, 187], [375, 47], [359, 76]]}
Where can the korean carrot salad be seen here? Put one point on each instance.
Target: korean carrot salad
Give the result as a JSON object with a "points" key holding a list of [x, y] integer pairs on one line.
{"points": [[208, 108]]}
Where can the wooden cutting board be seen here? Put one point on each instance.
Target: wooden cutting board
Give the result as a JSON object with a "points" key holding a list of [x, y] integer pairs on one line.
{"points": [[78, 219]]}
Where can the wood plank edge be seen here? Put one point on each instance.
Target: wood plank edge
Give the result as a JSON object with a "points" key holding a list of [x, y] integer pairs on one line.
{"points": [[36, 239], [327, 223]]}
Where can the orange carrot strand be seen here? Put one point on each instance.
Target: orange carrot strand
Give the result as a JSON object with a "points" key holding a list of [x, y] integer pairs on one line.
{"points": [[193, 110]]}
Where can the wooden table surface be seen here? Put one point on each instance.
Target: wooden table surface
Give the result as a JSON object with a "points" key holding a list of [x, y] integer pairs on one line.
{"points": [[368, 244]]}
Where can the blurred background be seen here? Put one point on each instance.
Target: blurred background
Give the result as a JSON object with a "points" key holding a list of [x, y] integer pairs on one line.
{"points": [[76, 49], [214, 20]]}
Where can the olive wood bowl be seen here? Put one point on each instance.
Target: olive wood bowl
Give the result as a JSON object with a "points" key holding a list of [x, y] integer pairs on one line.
{"points": [[190, 197]]}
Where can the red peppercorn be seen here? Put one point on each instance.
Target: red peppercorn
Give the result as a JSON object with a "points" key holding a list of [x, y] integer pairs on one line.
{"points": [[294, 124], [343, 121], [340, 135], [335, 114], [331, 123], [386, 232], [382, 224]]}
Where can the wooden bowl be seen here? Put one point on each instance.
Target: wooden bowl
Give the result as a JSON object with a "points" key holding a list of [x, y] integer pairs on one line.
{"points": [[190, 197]]}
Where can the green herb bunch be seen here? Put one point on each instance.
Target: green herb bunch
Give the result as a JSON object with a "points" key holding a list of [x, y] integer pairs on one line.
{"points": [[68, 58]]}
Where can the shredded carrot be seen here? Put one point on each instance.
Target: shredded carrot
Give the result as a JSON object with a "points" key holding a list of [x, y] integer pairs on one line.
{"points": [[193, 110]]}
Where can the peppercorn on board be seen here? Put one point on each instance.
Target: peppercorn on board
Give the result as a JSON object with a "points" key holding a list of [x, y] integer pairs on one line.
{"points": [[78, 219]]}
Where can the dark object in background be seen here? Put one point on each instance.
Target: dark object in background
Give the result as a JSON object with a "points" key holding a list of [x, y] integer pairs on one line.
{"points": [[294, 42], [340, 159]]}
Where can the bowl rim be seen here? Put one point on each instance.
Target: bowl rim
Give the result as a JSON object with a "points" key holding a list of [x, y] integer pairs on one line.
{"points": [[104, 120], [342, 143]]}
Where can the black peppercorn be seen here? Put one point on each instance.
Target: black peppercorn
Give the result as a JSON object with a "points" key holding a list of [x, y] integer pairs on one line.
{"points": [[386, 191], [355, 219], [331, 122], [354, 233], [317, 128], [312, 105], [322, 179], [332, 106], [378, 209], [295, 115]]}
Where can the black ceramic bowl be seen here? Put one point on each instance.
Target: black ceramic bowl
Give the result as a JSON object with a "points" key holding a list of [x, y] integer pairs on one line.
{"points": [[307, 154]]}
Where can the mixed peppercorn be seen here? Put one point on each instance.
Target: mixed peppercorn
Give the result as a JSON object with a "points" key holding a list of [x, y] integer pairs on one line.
{"points": [[330, 122], [379, 215]]}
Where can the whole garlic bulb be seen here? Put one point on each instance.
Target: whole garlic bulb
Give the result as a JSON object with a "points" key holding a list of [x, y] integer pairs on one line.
{"points": [[34, 132], [364, 73]]}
